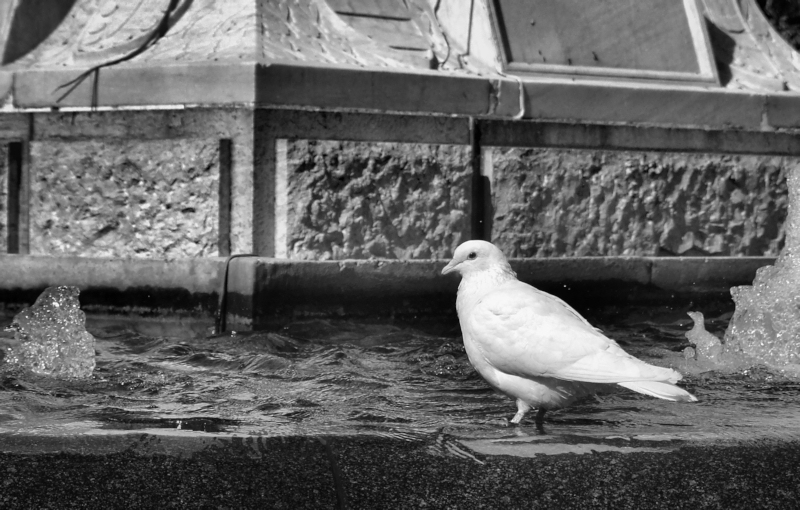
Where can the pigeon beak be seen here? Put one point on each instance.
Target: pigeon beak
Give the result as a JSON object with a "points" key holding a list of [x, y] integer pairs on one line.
{"points": [[449, 267]]}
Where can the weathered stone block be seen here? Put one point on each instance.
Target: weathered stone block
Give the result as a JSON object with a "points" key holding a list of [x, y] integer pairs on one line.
{"points": [[376, 200], [557, 202], [155, 199]]}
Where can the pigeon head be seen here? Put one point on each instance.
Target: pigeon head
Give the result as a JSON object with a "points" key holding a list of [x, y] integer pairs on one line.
{"points": [[477, 256]]}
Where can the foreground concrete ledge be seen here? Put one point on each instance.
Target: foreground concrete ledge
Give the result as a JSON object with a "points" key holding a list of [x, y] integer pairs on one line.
{"points": [[263, 291], [413, 470], [143, 287]]}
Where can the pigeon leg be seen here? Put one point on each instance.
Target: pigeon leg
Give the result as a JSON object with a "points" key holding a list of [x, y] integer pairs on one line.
{"points": [[522, 408], [540, 419]]}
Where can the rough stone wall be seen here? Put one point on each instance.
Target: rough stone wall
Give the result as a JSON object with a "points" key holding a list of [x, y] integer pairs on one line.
{"points": [[163, 125], [556, 202], [3, 198], [154, 199], [376, 200]]}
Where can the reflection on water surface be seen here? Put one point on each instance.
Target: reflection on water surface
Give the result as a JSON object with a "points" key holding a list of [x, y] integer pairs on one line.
{"points": [[340, 377]]}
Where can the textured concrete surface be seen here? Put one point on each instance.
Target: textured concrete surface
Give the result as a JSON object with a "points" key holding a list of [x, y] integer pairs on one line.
{"points": [[177, 470], [553, 202], [122, 129], [358, 200], [156, 199]]}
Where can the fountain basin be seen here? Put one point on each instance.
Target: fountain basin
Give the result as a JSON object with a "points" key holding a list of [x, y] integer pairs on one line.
{"points": [[387, 413]]}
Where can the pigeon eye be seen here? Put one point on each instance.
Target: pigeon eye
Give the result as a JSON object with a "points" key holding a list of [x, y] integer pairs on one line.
{"points": [[472, 255]]}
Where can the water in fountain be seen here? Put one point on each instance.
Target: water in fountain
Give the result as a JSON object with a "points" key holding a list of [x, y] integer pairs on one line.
{"points": [[707, 347], [766, 323], [765, 328], [50, 337]]}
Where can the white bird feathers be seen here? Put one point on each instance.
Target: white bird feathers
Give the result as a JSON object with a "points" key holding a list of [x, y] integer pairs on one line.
{"points": [[534, 347]]}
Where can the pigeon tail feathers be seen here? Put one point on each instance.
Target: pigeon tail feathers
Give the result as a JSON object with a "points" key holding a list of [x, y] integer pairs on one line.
{"points": [[660, 390]]}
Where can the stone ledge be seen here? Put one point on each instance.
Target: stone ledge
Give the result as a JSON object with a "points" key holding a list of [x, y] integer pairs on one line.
{"points": [[649, 105], [145, 469], [423, 92], [117, 286], [222, 83], [263, 291], [705, 274], [274, 291]]}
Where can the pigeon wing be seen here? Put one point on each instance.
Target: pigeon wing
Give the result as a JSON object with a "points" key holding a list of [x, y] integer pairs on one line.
{"points": [[525, 332]]}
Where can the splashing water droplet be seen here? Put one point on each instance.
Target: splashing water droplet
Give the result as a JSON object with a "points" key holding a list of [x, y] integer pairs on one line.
{"points": [[52, 337], [766, 323], [707, 346]]}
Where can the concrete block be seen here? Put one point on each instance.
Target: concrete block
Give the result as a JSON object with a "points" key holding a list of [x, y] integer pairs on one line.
{"points": [[6, 86], [693, 274], [528, 133], [363, 127], [370, 89], [360, 200], [586, 282], [264, 293], [284, 290], [640, 104], [582, 270], [562, 202], [241, 293], [160, 124], [783, 111], [15, 126], [99, 198], [178, 84], [178, 288]]}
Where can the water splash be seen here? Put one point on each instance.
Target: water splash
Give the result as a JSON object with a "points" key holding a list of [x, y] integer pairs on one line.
{"points": [[51, 337], [766, 323], [708, 347]]}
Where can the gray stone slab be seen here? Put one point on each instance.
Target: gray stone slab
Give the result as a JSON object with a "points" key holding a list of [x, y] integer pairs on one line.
{"points": [[571, 202], [155, 199], [179, 288], [353, 200], [15, 126], [365, 127], [263, 292], [382, 90], [783, 111], [690, 274], [160, 124], [528, 133], [585, 270], [634, 104], [6, 85], [179, 84]]}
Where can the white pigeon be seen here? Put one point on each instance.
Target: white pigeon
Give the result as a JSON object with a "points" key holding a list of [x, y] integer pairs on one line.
{"points": [[534, 347]]}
